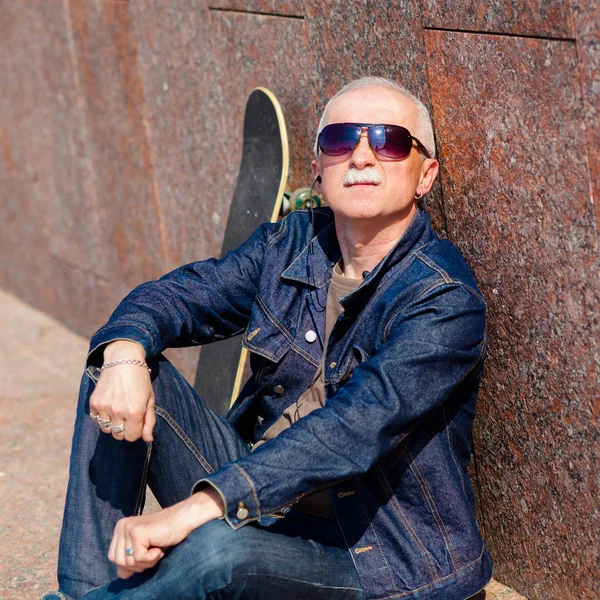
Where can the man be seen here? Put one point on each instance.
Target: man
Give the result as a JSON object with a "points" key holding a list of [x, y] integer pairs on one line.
{"points": [[340, 471]]}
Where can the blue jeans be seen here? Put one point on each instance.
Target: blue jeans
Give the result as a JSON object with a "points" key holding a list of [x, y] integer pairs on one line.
{"points": [[298, 556]]}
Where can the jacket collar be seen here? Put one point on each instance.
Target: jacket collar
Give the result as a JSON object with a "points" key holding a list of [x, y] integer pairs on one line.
{"points": [[313, 266]]}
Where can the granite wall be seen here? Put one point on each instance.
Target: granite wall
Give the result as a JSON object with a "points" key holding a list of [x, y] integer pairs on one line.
{"points": [[120, 131]]}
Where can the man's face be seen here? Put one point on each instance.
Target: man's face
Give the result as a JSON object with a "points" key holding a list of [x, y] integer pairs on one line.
{"points": [[393, 197]]}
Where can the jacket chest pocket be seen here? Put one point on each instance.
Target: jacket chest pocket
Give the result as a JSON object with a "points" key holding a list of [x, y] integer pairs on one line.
{"points": [[268, 340]]}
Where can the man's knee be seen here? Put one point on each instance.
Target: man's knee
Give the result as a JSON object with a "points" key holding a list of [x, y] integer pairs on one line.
{"points": [[215, 556]]}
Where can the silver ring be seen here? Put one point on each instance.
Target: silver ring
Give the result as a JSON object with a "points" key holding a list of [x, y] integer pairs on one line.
{"points": [[105, 424], [129, 551], [118, 428], [95, 418]]}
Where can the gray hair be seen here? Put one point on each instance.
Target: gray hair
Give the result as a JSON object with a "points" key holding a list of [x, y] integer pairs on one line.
{"points": [[424, 124]]}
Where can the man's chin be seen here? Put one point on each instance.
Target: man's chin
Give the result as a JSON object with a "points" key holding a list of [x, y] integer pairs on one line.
{"points": [[357, 211]]}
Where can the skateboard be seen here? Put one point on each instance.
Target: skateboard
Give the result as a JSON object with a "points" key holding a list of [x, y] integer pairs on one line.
{"points": [[257, 198]]}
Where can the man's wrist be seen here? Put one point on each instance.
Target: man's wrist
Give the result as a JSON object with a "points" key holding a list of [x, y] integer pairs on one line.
{"points": [[205, 505], [124, 349]]}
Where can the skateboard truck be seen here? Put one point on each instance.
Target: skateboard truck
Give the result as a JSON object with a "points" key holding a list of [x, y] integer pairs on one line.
{"points": [[299, 199]]}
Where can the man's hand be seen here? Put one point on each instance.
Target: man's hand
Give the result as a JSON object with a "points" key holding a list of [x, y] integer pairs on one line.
{"points": [[124, 395], [147, 535]]}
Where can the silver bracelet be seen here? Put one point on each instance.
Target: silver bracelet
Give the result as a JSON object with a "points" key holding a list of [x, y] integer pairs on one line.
{"points": [[125, 361]]}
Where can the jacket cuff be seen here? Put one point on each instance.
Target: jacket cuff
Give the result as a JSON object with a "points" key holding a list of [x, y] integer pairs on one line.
{"points": [[237, 492], [112, 333]]}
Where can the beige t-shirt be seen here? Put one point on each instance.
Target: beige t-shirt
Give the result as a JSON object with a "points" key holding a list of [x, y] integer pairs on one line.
{"points": [[318, 503]]}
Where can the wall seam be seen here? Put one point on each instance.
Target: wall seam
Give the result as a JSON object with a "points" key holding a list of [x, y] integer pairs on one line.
{"points": [[254, 13], [500, 34]]}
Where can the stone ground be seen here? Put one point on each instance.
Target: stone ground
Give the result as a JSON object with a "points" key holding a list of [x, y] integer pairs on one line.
{"points": [[40, 367]]}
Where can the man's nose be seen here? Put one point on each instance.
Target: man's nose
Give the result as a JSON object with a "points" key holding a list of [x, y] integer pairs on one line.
{"points": [[362, 155]]}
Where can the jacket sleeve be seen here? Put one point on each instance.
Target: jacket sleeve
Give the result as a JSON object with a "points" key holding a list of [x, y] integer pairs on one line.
{"points": [[426, 351], [198, 303]]}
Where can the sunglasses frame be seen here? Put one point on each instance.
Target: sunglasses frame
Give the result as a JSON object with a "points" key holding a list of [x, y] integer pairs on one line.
{"points": [[367, 126]]}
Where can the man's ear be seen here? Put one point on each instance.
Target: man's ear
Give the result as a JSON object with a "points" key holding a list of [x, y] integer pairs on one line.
{"points": [[429, 171], [315, 168]]}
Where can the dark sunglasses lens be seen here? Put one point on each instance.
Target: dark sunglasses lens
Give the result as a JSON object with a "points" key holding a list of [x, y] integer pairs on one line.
{"points": [[391, 141], [338, 139]]}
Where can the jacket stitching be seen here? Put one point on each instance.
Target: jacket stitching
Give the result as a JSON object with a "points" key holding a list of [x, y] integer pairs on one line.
{"points": [[390, 276], [271, 316], [437, 581], [313, 239], [260, 351], [432, 286], [311, 359], [252, 488], [445, 275], [451, 446], [260, 371], [398, 442], [142, 491], [473, 291], [184, 438], [372, 527], [235, 410], [432, 506], [409, 528], [431, 264], [123, 325], [276, 234], [346, 370], [280, 365], [288, 336], [400, 310]]}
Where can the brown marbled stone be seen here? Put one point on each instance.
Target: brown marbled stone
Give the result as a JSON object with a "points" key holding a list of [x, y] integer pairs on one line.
{"points": [[349, 40], [49, 199], [289, 8], [74, 156], [508, 113], [117, 145], [586, 16], [551, 18], [250, 51], [175, 65]]}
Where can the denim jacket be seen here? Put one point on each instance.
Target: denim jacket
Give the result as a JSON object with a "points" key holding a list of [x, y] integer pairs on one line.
{"points": [[402, 369]]}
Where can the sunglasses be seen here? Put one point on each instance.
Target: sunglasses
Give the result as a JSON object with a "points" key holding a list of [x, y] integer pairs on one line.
{"points": [[391, 141]]}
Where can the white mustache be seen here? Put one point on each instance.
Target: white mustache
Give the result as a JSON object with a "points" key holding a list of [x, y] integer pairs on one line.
{"points": [[366, 175]]}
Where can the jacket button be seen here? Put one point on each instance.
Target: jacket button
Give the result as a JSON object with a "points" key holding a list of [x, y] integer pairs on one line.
{"points": [[310, 336], [260, 420], [279, 390], [242, 512]]}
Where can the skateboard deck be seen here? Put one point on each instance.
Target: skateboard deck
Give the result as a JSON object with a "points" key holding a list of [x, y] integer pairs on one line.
{"points": [[257, 198]]}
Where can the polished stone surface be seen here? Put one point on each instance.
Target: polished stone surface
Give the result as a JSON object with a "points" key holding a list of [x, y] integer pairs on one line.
{"points": [[293, 8], [551, 18], [586, 16], [517, 202]]}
